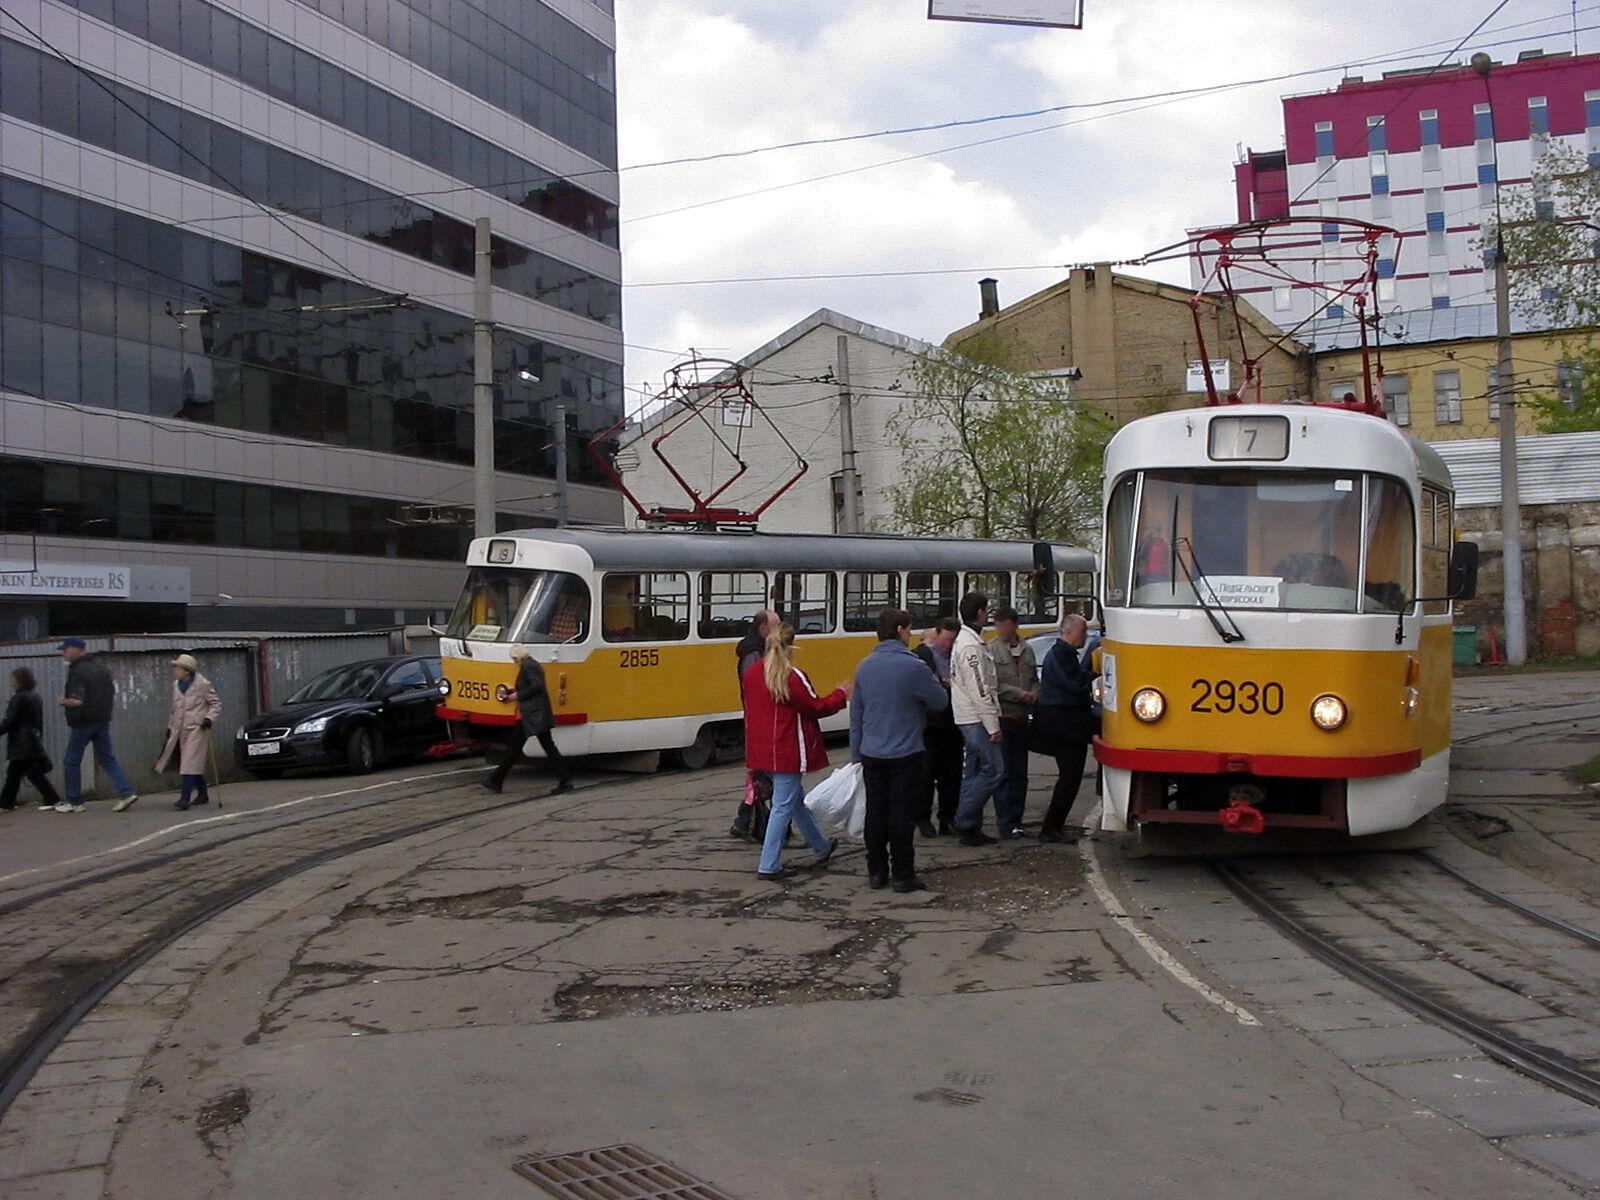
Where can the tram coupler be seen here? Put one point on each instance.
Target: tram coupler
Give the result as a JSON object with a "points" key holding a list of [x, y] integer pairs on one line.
{"points": [[1241, 815]]}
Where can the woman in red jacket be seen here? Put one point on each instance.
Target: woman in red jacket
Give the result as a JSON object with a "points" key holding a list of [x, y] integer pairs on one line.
{"points": [[782, 737]]}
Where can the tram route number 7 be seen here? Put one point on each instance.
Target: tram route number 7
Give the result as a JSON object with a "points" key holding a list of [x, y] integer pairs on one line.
{"points": [[641, 658]]}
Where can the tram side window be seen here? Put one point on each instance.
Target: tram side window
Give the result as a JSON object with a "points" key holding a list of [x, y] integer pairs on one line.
{"points": [[1390, 579], [645, 607], [929, 596], [994, 584], [807, 600], [1119, 541], [866, 593], [1437, 535], [1076, 590], [728, 599]]}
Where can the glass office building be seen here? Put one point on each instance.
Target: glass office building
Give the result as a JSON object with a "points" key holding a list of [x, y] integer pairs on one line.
{"points": [[236, 373]]}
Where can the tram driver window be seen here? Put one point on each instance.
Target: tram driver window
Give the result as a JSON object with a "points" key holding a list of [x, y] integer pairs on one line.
{"points": [[1390, 579], [728, 599], [866, 594], [645, 607], [807, 600], [557, 609]]}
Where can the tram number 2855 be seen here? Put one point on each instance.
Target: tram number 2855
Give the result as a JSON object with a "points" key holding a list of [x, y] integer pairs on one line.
{"points": [[1226, 696], [641, 658]]}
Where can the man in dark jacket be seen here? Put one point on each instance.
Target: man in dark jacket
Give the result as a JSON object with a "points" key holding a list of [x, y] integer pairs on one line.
{"points": [[24, 730], [1064, 722], [89, 698], [893, 696], [757, 784], [941, 740], [535, 719]]}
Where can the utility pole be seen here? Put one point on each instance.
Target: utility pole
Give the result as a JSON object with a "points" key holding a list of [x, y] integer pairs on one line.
{"points": [[1510, 501], [482, 386], [560, 435], [849, 481]]}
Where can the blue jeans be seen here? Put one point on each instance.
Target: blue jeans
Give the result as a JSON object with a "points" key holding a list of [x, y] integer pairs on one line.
{"points": [[786, 806], [80, 738], [980, 775], [1011, 797]]}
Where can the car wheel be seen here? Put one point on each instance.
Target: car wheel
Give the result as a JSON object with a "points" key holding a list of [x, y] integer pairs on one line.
{"points": [[267, 772], [360, 752], [697, 754]]}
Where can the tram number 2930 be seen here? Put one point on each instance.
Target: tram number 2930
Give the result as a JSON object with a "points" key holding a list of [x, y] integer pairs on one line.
{"points": [[641, 658], [1226, 696]]}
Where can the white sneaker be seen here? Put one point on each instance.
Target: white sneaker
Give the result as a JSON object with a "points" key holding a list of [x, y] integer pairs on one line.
{"points": [[65, 807], [125, 803], [46, 806]]}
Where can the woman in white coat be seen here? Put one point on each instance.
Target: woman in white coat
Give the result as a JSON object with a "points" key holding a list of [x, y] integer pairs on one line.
{"points": [[195, 705]]}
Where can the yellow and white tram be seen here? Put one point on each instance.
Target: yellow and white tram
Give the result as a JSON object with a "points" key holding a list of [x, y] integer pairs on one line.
{"points": [[1275, 593], [636, 630]]}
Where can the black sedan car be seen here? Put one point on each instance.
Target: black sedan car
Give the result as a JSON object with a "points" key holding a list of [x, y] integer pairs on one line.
{"points": [[356, 716]]}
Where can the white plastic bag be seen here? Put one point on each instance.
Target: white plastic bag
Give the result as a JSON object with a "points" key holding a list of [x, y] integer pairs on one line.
{"points": [[839, 802]]}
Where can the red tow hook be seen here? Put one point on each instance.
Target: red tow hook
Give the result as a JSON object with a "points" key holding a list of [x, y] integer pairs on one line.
{"points": [[1242, 817]]}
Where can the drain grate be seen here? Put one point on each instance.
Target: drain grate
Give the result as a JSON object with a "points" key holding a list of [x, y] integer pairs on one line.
{"points": [[615, 1173]]}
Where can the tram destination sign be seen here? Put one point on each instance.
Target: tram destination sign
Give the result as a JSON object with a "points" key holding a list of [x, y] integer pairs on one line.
{"points": [[63, 579], [1058, 14]]}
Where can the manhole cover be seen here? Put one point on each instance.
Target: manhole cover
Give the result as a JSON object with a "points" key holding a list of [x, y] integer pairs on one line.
{"points": [[615, 1173]]}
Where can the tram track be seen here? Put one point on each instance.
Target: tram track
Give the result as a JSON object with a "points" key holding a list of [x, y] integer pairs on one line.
{"points": [[99, 928], [1516, 982]]}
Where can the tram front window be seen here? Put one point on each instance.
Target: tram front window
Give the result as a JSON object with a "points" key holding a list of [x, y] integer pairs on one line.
{"points": [[501, 605], [1258, 539]]}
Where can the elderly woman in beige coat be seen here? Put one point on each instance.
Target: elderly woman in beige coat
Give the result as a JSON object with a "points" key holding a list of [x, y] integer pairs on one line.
{"points": [[195, 705]]}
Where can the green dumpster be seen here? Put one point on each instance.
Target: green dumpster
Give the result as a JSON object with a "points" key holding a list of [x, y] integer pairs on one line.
{"points": [[1466, 645]]}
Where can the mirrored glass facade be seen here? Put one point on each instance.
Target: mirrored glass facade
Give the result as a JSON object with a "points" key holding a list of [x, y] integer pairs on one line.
{"points": [[255, 228]]}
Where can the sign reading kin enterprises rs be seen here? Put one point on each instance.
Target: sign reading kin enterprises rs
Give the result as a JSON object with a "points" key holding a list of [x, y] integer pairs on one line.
{"points": [[63, 579]]}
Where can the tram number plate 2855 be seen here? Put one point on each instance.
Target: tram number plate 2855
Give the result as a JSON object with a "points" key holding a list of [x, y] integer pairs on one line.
{"points": [[1246, 696], [641, 658]]}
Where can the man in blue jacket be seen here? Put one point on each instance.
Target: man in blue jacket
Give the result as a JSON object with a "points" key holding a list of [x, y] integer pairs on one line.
{"points": [[894, 693]]}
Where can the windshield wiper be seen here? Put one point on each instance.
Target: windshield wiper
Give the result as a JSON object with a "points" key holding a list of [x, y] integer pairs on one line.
{"points": [[1232, 633]]}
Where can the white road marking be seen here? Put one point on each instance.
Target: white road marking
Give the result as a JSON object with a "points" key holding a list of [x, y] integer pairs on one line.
{"points": [[1159, 953], [197, 822]]}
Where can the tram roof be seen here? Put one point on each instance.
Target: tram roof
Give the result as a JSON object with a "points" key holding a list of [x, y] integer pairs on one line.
{"points": [[1345, 440], [676, 550]]}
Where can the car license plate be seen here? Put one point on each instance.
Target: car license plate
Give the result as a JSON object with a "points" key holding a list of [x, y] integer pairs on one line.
{"points": [[255, 748]]}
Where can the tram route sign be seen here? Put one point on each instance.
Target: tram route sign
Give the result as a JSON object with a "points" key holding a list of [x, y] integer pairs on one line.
{"points": [[1056, 14], [63, 579]]}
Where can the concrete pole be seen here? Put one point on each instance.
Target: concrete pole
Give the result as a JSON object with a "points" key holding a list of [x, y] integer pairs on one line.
{"points": [[482, 386], [1510, 501], [849, 481], [560, 435]]}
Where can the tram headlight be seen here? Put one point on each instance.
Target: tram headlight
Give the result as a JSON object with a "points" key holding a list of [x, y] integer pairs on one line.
{"points": [[1148, 705], [444, 688], [1329, 712], [1411, 701], [1097, 690], [502, 693]]}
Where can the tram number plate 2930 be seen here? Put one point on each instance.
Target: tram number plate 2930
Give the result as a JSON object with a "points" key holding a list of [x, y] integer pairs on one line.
{"points": [[1246, 696], [641, 658]]}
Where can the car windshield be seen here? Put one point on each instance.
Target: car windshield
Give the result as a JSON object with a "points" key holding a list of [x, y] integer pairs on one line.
{"points": [[504, 604], [342, 683]]}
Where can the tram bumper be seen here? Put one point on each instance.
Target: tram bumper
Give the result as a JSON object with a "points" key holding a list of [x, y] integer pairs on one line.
{"points": [[1352, 795]]}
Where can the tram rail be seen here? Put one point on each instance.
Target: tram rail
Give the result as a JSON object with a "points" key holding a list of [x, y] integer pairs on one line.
{"points": [[1261, 887]]}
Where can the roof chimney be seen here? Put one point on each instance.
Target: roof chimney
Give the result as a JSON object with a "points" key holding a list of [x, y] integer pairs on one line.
{"points": [[989, 290]]}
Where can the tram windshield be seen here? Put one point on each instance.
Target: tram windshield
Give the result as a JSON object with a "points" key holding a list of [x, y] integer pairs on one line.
{"points": [[1312, 541], [500, 604]]}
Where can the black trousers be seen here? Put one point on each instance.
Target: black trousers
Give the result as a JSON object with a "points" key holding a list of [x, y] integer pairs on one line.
{"points": [[514, 755], [1069, 775], [19, 769], [941, 773], [892, 789]]}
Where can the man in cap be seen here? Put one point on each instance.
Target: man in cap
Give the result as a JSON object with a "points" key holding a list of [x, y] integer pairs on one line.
{"points": [[88, 699]]}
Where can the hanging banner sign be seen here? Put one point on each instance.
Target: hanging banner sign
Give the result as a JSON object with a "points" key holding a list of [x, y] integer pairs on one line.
{"points": [[63, 579]]}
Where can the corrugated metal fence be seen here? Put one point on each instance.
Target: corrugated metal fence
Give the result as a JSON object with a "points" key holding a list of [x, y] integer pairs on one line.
{"points": [[251, 672]]}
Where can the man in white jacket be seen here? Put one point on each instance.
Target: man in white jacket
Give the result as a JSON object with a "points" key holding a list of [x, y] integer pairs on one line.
{"points": [[975, 704]]}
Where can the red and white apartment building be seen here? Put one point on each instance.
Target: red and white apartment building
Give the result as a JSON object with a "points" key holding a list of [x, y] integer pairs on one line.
{"points": [[1422, 151]]}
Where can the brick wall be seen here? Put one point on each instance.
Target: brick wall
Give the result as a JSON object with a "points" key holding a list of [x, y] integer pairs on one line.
{"points": [[1560, 576]]}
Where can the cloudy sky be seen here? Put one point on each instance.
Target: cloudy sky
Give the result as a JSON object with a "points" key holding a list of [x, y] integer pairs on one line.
{"points": [[897, 229]]}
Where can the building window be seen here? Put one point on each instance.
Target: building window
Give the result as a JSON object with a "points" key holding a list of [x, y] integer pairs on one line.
{"points": [[1336, 309], [1439, 286], [1282, 299], [1377, 136], [1538, 117], [1342, 390], [1324, 135], [1569, 382], [1430, 139], [1397, 398], [1434, 220], [1591, 120], [1447, 397], [1482, 123]]}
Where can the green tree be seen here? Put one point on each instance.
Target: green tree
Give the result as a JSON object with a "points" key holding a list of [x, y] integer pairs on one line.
{"points": [[1551, 232], [989, 452]]}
